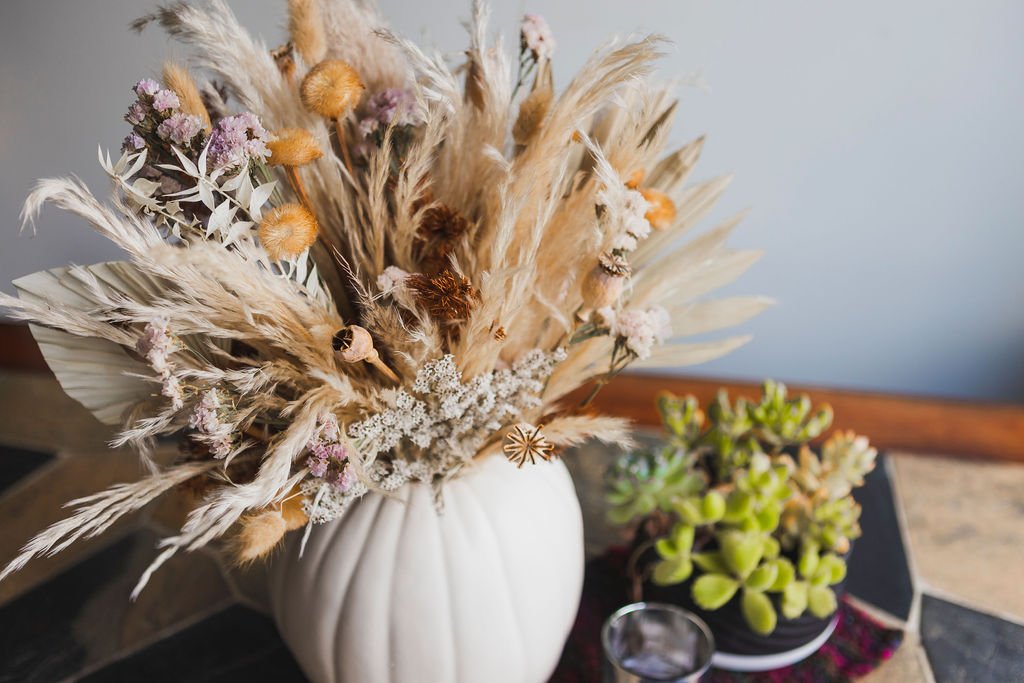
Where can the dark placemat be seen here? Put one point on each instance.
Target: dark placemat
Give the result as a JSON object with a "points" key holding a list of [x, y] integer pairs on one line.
{"points": [[858, 645]]}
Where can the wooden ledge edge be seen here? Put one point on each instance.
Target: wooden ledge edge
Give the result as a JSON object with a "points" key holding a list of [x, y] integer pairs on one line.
{"points": [[967, 429], [924, 425]]}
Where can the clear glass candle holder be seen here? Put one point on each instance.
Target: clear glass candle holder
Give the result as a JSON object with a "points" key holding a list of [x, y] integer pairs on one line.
{"points": [[653, 642]]}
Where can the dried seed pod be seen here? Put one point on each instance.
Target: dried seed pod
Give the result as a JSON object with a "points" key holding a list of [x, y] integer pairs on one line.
{"points": [[601, 288], [448, 296], [525, 443], [604, 284], [438, 234], [353, 344]]}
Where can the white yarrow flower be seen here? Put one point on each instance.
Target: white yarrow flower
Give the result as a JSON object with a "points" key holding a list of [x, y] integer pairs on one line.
{"points": [[639, 329], [391, 279], [536, 36]]}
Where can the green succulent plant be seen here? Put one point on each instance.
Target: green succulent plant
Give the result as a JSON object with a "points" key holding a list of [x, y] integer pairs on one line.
{"points": [[744, 517], [643, 482]]}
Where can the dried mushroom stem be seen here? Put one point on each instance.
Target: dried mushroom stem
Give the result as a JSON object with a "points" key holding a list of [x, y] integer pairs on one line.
{"points": [[296, 182], [290, 149], [339, 128]]}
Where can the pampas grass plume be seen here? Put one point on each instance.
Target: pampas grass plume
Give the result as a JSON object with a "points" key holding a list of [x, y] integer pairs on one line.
{"points": [[490, 238], [306, 26], [178, 79], [287, 231], [531, 114], [331, 89], [293, 147]]}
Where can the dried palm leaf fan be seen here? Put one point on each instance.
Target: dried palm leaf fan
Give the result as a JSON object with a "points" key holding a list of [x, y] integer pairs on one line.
{"points": [[350, 266]]}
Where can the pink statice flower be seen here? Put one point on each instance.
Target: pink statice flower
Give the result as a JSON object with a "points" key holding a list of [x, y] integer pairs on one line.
{"points": [[156, 344], [391, 279], [327, 455], [213, 431], [368, 126], [237, 140], [205, 417], [179, 128], [166, 100], [638, 329], [536, 36], [147, 87], [133, 142], [137, 113], [171, 389], [394, 105], [343, 479]]}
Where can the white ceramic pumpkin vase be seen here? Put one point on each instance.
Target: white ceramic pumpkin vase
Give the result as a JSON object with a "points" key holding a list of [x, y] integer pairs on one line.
{"points": [[484, 590]]}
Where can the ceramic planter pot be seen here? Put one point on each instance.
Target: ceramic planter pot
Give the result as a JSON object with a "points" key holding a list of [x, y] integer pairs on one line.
{"points": [[737, 647], [485, 589]]}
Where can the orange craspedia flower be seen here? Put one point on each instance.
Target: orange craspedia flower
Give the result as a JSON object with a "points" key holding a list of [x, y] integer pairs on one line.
{"points": [[293, 147], [635, 178], [287, 231], [332, 88], [662, 211]]}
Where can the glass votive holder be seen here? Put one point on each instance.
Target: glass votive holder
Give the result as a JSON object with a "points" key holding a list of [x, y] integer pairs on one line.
{"points": [[649, 642]]}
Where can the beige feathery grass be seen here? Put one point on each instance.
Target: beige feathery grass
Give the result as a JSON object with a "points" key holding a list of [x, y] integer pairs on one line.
{"points": [[306, 27], [178, 79], [530, 184]]}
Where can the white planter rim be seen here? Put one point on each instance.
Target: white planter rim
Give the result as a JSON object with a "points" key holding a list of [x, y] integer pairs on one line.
{"points": [[729, 661]]}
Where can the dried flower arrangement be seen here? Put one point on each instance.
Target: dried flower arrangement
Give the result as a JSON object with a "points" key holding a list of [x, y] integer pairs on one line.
{"points": [[379, 270], [742, 503]]}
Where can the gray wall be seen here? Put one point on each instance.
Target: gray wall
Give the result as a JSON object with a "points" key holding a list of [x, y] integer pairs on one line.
{"points": [[878, 143]]}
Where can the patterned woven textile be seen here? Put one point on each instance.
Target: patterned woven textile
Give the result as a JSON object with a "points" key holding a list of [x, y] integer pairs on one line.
{"points": [[858, 645]]}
